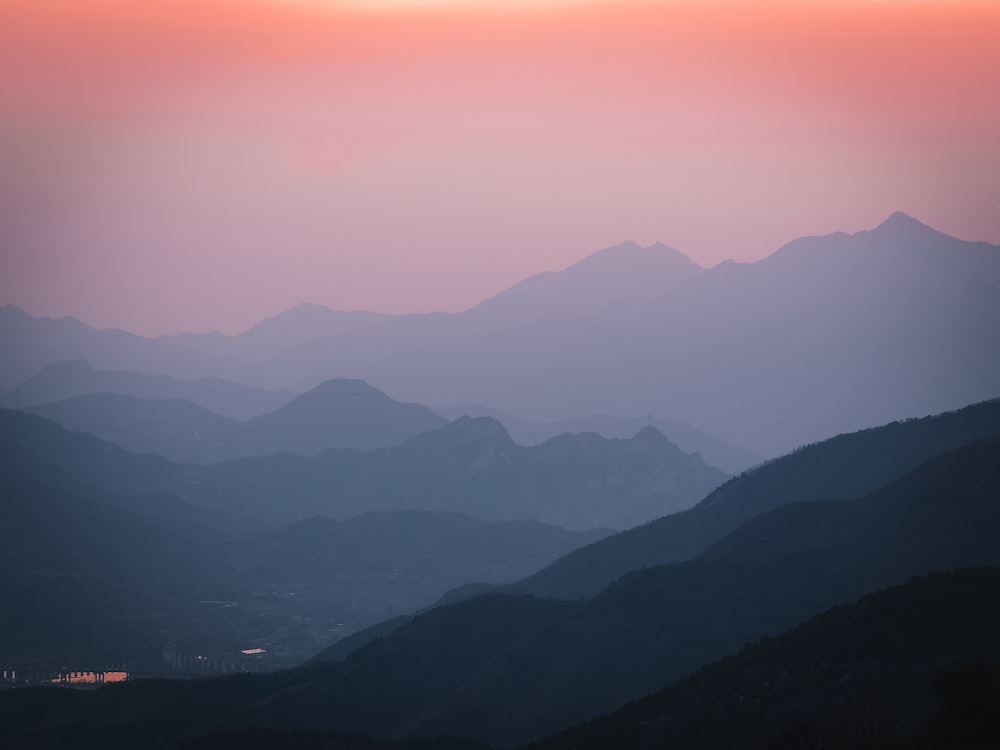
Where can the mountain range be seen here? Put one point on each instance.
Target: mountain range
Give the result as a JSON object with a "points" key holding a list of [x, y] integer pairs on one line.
{"points": [[335, 414], [508, 667], [400, 576], [138, 426], [829, 334], [469, 466], [553, 664], [846, 467], [94, 572], [66, 379], [687, 437]]}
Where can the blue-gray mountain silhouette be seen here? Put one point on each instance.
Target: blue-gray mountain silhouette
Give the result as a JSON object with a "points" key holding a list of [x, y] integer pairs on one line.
{"points": [[335, 414], [829, 334], [508, 668], [469, 466], [62, 380]]}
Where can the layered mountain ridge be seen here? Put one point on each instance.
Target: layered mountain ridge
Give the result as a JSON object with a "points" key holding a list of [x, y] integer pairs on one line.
{"points": [[828, 334]]}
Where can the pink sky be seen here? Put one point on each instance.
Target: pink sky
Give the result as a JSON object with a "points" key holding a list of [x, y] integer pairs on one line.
{"points": [[176, 165]]}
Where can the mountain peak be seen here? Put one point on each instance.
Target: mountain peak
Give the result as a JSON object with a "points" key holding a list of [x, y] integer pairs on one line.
{"points": [[654, 438], [336, 394], [341, 413], [654, 257], [901, 223], [623, 275], [344, 385]]}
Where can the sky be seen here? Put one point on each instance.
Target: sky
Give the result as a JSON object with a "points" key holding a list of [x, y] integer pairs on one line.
{"points": [[171, 165]]}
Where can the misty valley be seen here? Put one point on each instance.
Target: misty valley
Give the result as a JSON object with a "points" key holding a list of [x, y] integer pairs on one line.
{"points": [[636, 503]]}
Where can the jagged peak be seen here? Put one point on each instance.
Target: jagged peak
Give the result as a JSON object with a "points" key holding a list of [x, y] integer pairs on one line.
{"points": [[650, 435]]}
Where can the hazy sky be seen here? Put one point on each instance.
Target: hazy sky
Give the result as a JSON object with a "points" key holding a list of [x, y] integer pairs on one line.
{"points": [[201, 164]]}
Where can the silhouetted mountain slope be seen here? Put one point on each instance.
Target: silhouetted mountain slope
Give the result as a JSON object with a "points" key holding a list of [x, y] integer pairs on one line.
{"points": [[44, 450], [271, 739], [624, 275], [162, 711], [470, 466], [178, 430], [830, 334], [347, 646], [905, 513], [84, 576], [847, 466], [32, 343], [685, 436], [510, 668], [380, 564], [297, 325], [82, 507], [655, 625], [913, 666], [66, 379], [388, 683], [336, 414]]}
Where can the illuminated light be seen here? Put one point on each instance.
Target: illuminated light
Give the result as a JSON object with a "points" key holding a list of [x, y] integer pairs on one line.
{"points": [[88, 678], [252, 651]]}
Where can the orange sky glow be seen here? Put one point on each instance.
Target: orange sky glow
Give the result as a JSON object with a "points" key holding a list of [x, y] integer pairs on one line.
{"points": [[174, 164]]}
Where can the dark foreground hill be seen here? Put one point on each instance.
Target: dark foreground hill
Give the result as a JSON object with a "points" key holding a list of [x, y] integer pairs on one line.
{"points": [[914, 666], [655, 625], [507, 669], [844, 467], [335, 414], [80, 575]]}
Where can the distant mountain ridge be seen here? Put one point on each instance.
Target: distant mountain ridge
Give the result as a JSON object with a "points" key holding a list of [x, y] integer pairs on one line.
{"points": [[335, 414], [469, 466], [624, 275], [66, 379], [827, 335], [687, 437], [472, 466]]}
